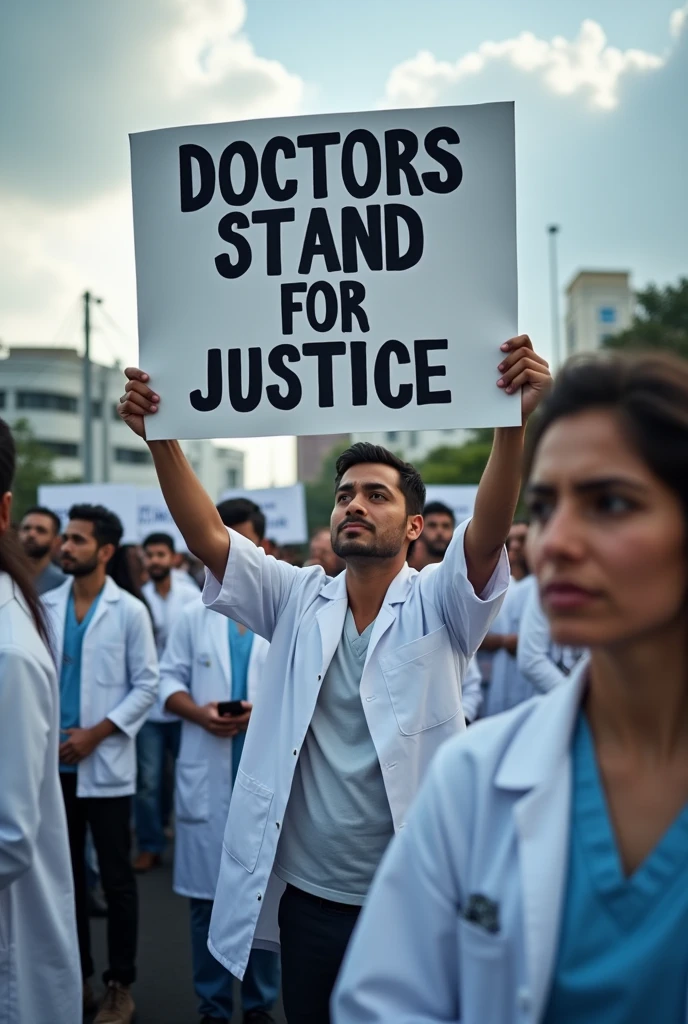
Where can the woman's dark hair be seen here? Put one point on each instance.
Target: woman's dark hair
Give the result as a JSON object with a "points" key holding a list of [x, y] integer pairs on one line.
{"points": [[410, 482], [120, 569], [12, 558], [649, 394]]}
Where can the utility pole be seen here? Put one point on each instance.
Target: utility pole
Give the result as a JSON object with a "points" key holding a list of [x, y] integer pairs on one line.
{"points": [[104, 425], [88, 391], [553, 231]]}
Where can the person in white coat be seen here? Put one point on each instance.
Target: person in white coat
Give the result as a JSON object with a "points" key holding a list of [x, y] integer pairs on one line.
{"points": [[362, 685], [102, 641], [210, 659], [554, 888], [167, 593], [541, 661], [40, 976]]}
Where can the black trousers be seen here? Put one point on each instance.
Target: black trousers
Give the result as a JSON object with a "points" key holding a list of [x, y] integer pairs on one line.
{"points": [[109, 819], [314, 934]]}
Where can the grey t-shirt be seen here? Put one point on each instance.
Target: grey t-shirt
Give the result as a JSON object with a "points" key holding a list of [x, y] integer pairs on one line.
{"points": [[338, 822], [49, 579]]}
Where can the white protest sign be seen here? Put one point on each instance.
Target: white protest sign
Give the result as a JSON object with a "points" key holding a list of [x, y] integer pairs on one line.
{"points": [[460, 498], [153, 516], [284, 509], [118, 498], [315, 274]]}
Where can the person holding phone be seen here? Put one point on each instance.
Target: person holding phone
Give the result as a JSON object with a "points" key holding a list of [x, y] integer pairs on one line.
{"points": [[210, 671]]}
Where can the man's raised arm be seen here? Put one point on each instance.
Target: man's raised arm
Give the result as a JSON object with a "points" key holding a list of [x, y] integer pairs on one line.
{"points": [[191, 508]]}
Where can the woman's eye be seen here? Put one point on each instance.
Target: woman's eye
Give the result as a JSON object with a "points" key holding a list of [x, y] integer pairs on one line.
{"points": [[614, 504], [539, 510]]}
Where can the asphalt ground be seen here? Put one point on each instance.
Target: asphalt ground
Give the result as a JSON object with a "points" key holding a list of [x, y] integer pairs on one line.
{"points": [[164, 991]]}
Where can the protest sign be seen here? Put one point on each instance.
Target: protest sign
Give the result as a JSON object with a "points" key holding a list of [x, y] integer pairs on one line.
{"points": [[319, 274], [119, 498], [153, 516], [460, 498], [284, 508]]}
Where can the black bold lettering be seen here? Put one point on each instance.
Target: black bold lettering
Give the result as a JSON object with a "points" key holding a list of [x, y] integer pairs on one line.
{"points": [[374, 161], [424, 396], [325, 289], [434, 181], [289, 306], [319, 143], [224, 174], [276, 360], [206, 168], [401, 146], [359, 373], [273, 239], [318, 241], [255, 380], [383, 375], [357, 235], [394, 212], [206, 403], [268, 169], [351, 296], [325, 351], [225, 230]]}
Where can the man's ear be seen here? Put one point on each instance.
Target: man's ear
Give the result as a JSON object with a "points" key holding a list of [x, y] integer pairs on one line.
{"points": [[414, 527]]}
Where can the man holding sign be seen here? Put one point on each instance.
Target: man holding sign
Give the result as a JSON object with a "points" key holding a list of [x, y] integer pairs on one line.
{"points": [[361, 685]]}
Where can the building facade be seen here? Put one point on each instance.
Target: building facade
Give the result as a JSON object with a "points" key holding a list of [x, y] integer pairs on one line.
{"points": [[416, 445], [313, 449], [44, 386], [599, 304]]}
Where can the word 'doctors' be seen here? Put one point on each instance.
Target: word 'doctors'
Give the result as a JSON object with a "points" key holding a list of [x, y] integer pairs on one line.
{"points": [[327, 274]]}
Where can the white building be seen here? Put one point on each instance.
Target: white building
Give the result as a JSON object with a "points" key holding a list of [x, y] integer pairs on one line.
{"points": [[415, 445], [599, 304], [44, 385]]}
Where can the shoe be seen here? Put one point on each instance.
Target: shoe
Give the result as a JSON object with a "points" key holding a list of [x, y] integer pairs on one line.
{"points": [[97, 907], [89, 999], [117, 1006], [146, 861], [258, 1017]]}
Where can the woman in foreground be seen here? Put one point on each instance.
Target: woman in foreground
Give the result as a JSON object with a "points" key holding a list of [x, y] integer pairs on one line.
{"points": [[554, 887], [40, 976]]}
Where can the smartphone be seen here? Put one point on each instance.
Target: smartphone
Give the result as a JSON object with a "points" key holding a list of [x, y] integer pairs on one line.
{"points": [[231, 707]]}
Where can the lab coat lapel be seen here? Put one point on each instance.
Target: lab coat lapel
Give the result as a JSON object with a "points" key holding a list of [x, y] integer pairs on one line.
{"points": [[110, 594], [330, 619]]}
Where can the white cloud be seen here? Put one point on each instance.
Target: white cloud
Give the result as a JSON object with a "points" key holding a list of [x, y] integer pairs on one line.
{"points": [[677, 21], [586, 64]]}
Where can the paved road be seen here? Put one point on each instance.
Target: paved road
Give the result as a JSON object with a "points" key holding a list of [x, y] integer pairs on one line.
{"points": [[164, 990]]}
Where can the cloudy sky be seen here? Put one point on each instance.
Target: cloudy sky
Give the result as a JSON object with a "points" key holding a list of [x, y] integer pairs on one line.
{"points": [[600, 89]]}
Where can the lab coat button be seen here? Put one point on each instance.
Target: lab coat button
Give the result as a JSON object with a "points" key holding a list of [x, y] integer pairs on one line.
{"points": [[319, 678], [294, 751], [524, 1001]]}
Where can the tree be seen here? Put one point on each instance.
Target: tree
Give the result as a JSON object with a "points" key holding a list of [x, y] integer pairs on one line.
{"points": [[660, 321], [34, 467], [463, 465]]}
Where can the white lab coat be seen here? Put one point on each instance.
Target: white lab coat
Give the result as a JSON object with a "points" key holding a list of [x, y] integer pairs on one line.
{"points": [[119, 681], [472, 690], [541, 662], [40, 973], [493, 820], [508, 686], [165, 612], [429, 625], [197, 661]]}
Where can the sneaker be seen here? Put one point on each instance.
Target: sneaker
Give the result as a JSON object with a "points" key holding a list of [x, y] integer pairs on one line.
{"points": [[117, 1006], [89, 999]]}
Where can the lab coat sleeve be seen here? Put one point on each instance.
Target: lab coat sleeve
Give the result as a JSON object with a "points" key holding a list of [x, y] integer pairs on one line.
{"points": [[472, 691], [255, 589], [142, 670], [534, 643], [26, 719], [177, 661], [466, 615], [403, 962]]}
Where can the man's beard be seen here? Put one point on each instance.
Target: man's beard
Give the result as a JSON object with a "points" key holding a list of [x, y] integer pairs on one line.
{"points": [[437, 548], [80, 568], [355, 547], [158, 573], [35, 551]]}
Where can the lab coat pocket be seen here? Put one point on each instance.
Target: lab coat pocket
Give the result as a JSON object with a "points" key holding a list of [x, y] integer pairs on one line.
{"points": [[114, 761], [110, 665], [247, 821], [487, 987], [422, 682], [192, 793]]}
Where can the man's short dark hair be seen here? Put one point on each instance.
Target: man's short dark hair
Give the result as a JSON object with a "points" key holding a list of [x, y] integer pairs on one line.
{"points": [[107, 527], [438, 508], [410, 482], [235, 511], [40, 510], [160, 538]]}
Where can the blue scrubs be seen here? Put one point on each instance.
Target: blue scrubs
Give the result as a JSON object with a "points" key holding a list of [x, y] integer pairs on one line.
{"points": [[70, 672], [623, 956], [240, 645]]}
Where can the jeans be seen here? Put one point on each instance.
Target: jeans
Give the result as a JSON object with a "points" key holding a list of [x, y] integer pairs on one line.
{"points": [[214, 984], [314, 935], [153, 742], [109, 821]]}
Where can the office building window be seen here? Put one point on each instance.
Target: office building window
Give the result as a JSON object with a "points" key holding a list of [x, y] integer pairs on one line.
{"points": [[46, 400], [132, 456], [392, 435], [570, 339], [413, 438], [61, 449], [232, 477], [96, 409], [2, 399], [607, 315]]}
